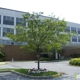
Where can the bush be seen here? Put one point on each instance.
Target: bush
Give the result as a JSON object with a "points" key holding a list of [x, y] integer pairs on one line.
{"points": [[1, 60], [2, 54], [45, 59], [75, 61]]}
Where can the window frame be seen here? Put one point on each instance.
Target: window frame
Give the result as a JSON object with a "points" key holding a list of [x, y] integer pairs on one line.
{"points": [[6, 31], [73, 29], [8, 20]]}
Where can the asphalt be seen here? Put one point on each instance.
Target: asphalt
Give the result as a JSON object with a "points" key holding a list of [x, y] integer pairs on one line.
{"points": [[62, 66]]}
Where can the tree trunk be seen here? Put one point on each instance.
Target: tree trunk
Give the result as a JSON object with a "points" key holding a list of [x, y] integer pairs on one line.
{"points": [[38, 56], [38, 61]]}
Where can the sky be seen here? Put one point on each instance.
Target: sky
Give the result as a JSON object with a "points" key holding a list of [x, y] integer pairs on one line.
{"points": [[64, 9]]}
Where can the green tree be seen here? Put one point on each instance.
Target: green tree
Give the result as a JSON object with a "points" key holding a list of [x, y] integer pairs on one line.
{"points": [[41, 34], [1, 53]]}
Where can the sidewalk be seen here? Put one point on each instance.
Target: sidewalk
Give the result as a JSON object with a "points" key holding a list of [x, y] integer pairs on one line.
{"points": [[2, 63]]}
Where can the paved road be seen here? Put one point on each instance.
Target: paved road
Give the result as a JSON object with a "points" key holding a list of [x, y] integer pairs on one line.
{"points": [[62, 66]]}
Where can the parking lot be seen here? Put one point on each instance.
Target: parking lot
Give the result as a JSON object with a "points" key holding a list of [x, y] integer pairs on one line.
{"points": [[61, 66]]}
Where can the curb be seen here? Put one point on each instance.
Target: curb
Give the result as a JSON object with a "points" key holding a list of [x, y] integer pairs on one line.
{"points": [[32, 77], [36, 77]]}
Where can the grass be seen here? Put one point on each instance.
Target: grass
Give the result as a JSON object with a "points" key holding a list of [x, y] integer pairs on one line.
{"points": [[25, 71]]}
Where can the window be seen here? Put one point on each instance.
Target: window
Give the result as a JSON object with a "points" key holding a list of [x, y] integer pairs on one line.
{"points": [[0, 19], [3, 42], [67, 29], [78, 29], [8, 42], [20, 21], [78, 38], [17, 32], [73, 29], [8, 20], [8, 30], [0, 41], [0, 31], [74, 38]]}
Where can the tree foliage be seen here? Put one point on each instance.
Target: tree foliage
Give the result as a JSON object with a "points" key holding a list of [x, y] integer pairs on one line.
{"points": [[47, 33], [1, 53], [41, 34]]}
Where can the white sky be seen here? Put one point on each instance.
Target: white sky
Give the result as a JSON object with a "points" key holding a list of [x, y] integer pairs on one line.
{"points": [[67, 9]]}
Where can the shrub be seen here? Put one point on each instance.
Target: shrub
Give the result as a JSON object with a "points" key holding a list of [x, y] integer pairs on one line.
{"points": [[1, 60], [2, 55], [75, 61], [45, 59]]}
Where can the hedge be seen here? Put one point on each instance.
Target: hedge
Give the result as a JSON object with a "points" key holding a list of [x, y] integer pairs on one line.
{"points": [[75, 61]]}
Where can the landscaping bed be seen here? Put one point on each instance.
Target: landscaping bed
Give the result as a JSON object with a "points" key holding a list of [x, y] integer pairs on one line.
{"points": [[25, 72]]}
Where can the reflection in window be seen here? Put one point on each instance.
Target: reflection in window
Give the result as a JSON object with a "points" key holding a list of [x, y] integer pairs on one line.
{"points": [[73, 29], [78, 29], [74, 38], [67, 29], [8, 20], [8, 30]]}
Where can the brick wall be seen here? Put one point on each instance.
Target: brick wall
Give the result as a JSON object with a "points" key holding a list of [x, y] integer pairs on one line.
{"points": [[68, 52], [14, 51]]}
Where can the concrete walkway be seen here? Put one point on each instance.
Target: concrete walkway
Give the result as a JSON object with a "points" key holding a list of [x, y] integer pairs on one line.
{"points": [[1, 63], [62, 66]]}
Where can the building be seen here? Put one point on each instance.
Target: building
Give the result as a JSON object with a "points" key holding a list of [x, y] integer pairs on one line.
{"points": [[10, 18], [73, 49]]}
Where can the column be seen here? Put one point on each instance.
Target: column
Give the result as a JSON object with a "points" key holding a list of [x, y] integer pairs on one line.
{"points": [[56, 54]]}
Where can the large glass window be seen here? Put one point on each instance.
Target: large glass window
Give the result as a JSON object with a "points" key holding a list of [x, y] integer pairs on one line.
{"points": [[78, 29], [8, 30], [74, 38], [8, 20], [20, 21], [73, 29], [0, 19], [67, 29]]}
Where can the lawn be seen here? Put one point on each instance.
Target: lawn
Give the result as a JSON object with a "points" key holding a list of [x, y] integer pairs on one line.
{"points": [[25, 71]]}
